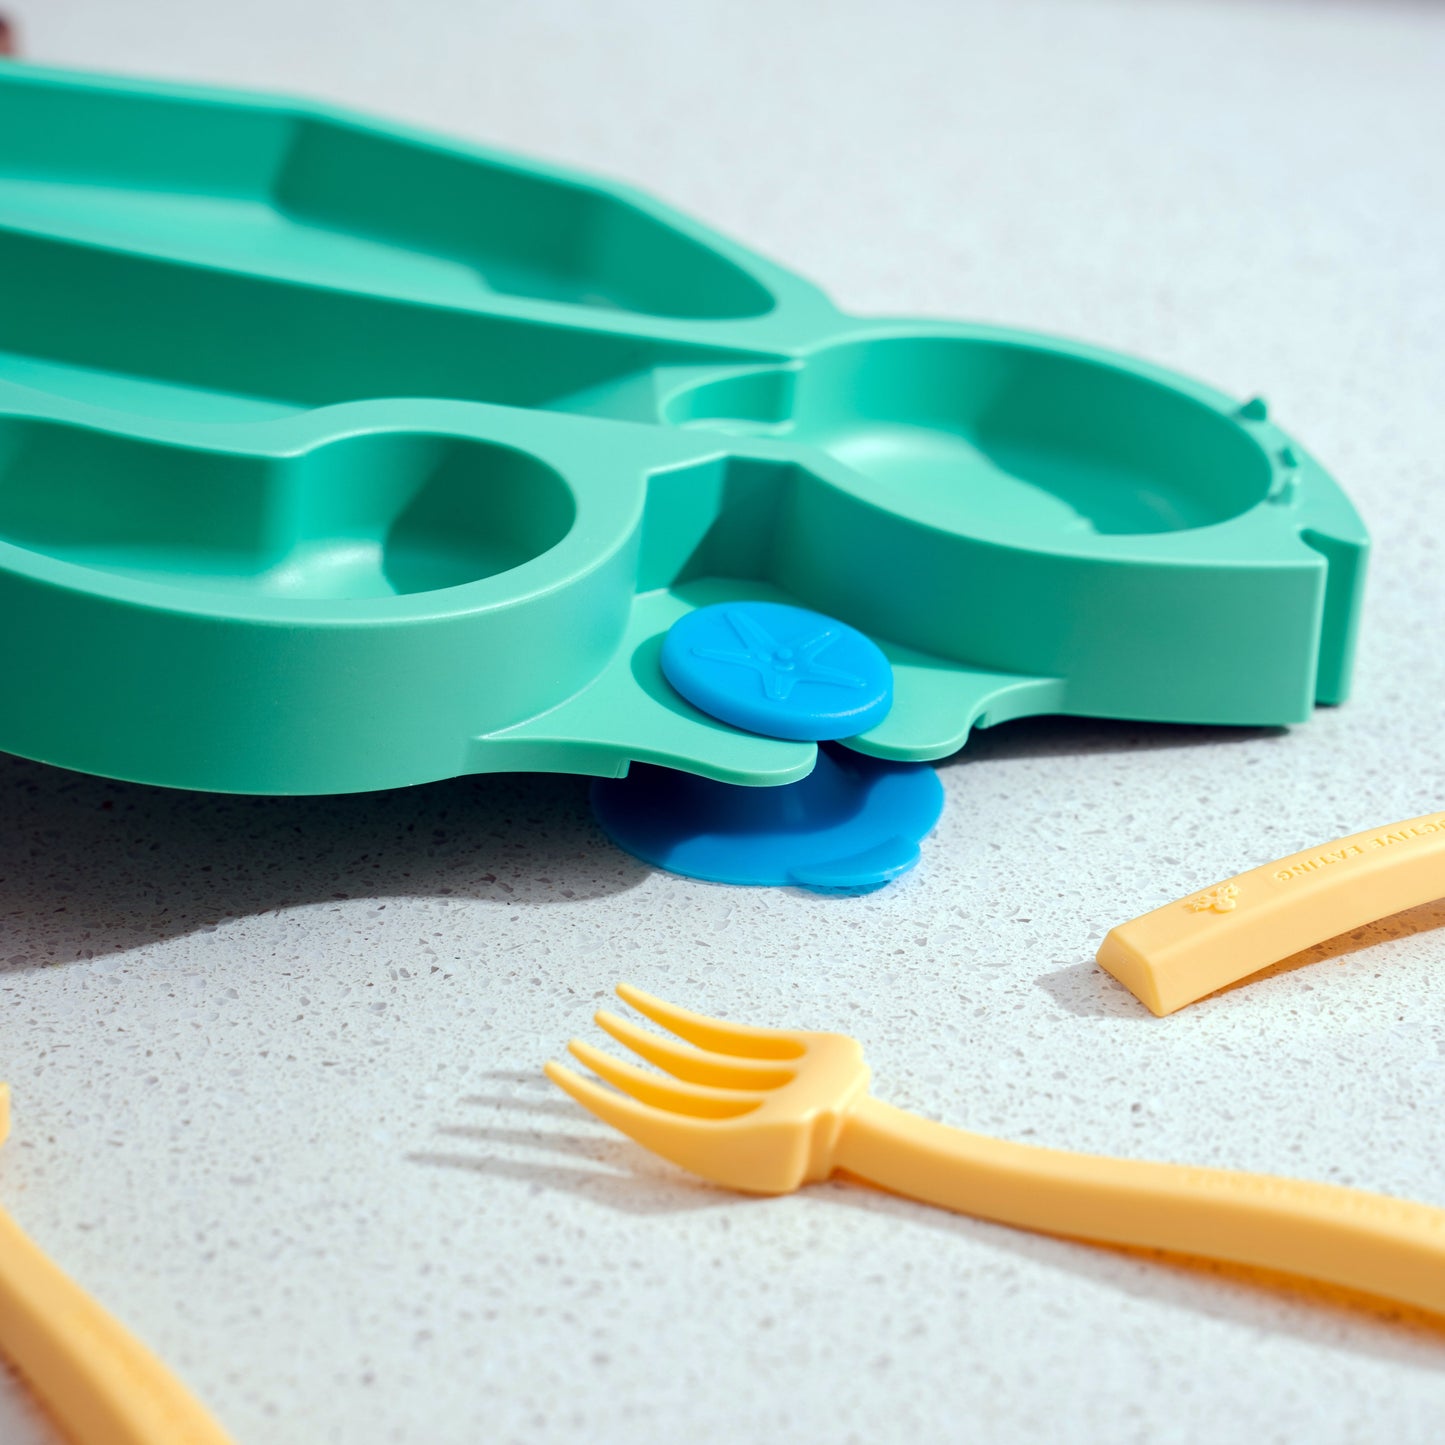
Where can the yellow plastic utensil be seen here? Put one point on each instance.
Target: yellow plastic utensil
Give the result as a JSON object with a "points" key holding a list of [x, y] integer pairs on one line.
{"points": [[100, 1384], [1187, 949], [767, 1110]]}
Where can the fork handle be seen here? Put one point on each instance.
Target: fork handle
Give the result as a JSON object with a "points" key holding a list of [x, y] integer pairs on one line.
{"points": [[1371, 1242], [101, 1385]]}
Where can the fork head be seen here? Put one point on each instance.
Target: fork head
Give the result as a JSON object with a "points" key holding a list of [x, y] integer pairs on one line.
{"points": [[751, 1108]]}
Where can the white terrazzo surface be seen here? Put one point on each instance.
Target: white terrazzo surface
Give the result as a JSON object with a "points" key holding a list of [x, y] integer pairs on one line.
{"points": [[275, 1063]]}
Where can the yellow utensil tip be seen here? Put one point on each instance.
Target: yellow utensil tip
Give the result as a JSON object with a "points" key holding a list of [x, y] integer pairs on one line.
{"points": [[1195, 945], [99, 1382]]}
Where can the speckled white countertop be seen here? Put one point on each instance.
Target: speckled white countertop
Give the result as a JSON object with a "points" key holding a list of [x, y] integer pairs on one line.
{"points": [[275, 1063]]}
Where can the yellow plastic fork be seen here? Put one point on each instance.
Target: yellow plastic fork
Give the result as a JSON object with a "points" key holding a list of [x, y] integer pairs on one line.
{"points": [[768, 1110]]}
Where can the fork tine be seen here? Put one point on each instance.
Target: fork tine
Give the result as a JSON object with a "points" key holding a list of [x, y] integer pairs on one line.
{"points": [[715, 1035], [683, 1061], [680, 1138], [695, 1100], [637, 1121]]}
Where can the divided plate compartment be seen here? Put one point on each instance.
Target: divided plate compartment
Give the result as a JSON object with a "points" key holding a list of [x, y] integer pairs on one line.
{"points": [[336, 457]]}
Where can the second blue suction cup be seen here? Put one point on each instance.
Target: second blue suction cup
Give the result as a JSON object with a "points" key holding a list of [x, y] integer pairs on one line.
{"points": [[853, 824]]}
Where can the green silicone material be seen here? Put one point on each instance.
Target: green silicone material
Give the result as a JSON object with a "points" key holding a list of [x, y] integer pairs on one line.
{"points": [[334, 457]]}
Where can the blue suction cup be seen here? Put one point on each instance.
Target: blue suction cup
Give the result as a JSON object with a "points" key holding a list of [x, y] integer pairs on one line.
{"points": [[781, 671], [853, 824]]}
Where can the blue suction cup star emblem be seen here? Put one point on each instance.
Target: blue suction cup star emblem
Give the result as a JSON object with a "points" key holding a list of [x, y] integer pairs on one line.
{"points": [[778, 670]]}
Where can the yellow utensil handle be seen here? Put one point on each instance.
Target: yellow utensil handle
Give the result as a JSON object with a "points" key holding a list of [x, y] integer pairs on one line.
{"points": [[1369, 1242], [98, 1381], [1179, 953]]}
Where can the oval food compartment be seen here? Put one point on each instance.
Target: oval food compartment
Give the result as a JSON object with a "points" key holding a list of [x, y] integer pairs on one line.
{"points": [[346, 613], [1001, 436], [1049, 526], [377, 515]]}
